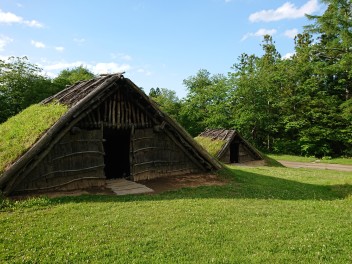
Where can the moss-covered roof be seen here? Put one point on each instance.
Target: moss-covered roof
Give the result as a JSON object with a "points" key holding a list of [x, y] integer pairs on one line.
{"points": [[213, 146], [20, 132]]}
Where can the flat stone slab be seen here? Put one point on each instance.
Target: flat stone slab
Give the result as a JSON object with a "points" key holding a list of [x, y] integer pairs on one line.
{"points": [[124, 187]]}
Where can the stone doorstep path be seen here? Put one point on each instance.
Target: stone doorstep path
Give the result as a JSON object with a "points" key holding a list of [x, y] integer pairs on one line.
{"points": [[124, 187]]}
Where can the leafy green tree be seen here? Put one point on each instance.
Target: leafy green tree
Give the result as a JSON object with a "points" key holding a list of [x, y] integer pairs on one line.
{"points": [[21, 84], [333, 47], [167, 101], [207, 103], [257, 83], [331, 57], [71, 76]]}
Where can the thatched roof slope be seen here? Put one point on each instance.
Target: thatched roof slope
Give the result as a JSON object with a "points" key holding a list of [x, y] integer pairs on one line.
{"points": [[226, 136], [82, 98]]}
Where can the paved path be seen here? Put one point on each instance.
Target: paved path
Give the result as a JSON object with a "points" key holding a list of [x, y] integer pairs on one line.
{"points": [[323, 166], [123, 187]]}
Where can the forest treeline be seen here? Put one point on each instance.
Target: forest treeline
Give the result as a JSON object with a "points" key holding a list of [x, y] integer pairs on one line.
{"points": [[297, 105], [23, 84]]}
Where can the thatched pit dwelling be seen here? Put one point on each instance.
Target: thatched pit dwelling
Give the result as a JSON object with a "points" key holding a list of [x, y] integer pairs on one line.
{"points": [[111, 130], [228, 146]]}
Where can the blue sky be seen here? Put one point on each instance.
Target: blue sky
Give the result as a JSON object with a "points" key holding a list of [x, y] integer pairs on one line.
{"points": [[157, 43]]}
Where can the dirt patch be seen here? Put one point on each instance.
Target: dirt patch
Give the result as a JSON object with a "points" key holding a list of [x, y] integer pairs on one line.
{"points": [[254, 163], [164, 184], [54, 194], [159, 185]]}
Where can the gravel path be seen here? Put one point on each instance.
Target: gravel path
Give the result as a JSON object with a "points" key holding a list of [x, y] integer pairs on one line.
{"points": [[323, 166]]}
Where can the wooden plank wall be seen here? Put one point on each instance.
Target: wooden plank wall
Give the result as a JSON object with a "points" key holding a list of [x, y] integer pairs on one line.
{"points": [[155, 155], [118, 111], [76, 156], [244, 154], [226, 156]]}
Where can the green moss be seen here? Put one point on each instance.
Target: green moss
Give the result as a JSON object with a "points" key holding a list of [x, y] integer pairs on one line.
{"points": [[20, 132], [213, 146]]}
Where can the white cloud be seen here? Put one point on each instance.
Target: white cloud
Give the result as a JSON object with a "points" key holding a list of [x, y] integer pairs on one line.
{"points": [[259, 33], [110, 67], [4, 40], [79, 40], [121, 56], [288, 56], [60, 49], [228, 1], [63, 65], [286, 11], [11, 18], [33, 23], [38, 44], [99, 68], [291, 33], [4, 58], [145, 72]]}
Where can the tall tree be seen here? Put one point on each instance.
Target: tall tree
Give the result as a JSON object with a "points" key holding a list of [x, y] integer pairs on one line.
{"points": [[21, 84], [257, 83], [207, 103], [332, 56], [333, 47], [167, 101]]}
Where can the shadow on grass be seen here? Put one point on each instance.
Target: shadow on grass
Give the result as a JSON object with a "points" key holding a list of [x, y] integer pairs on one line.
{"points": [[241, 185]]}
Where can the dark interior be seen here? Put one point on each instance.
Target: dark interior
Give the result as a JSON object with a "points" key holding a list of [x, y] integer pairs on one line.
{"points": [[117, 153], [234, 151]]}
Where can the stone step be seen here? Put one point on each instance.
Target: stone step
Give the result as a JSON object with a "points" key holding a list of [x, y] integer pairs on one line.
{"points": [[124, 187]]}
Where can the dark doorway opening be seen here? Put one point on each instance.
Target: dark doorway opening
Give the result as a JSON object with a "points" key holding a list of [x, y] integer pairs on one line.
{"points": [[117, 153], [234, 152]]}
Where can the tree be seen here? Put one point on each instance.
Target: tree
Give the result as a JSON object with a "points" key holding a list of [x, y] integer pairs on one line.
{"points": [[333, 47], [21, 84], [207, 103], [331, 55], [257, 85], [71, 76], [167, 101]]}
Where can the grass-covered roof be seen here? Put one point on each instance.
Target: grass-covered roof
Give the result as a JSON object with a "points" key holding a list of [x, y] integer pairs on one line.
{"points": [[20, 132], [213, 146]]}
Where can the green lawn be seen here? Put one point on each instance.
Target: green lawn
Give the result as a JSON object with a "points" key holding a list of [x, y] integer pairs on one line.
{"points": [[263, 215], [343, 161]]}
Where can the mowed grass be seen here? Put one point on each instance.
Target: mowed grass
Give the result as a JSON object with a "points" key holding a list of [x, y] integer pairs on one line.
{"points": [[263, 215], [342, 161]]}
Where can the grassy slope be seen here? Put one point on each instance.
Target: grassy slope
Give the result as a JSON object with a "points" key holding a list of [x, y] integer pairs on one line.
{"points": [[343, 161], [263, 215], [213, 146], [20, 132]]}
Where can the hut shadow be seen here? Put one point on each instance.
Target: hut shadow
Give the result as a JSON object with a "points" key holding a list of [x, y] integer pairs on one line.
{"points": [[241, 185]]}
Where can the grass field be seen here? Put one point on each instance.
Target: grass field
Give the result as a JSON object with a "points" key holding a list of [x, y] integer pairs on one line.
{"points": [[263, 215], [343, 161]]}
